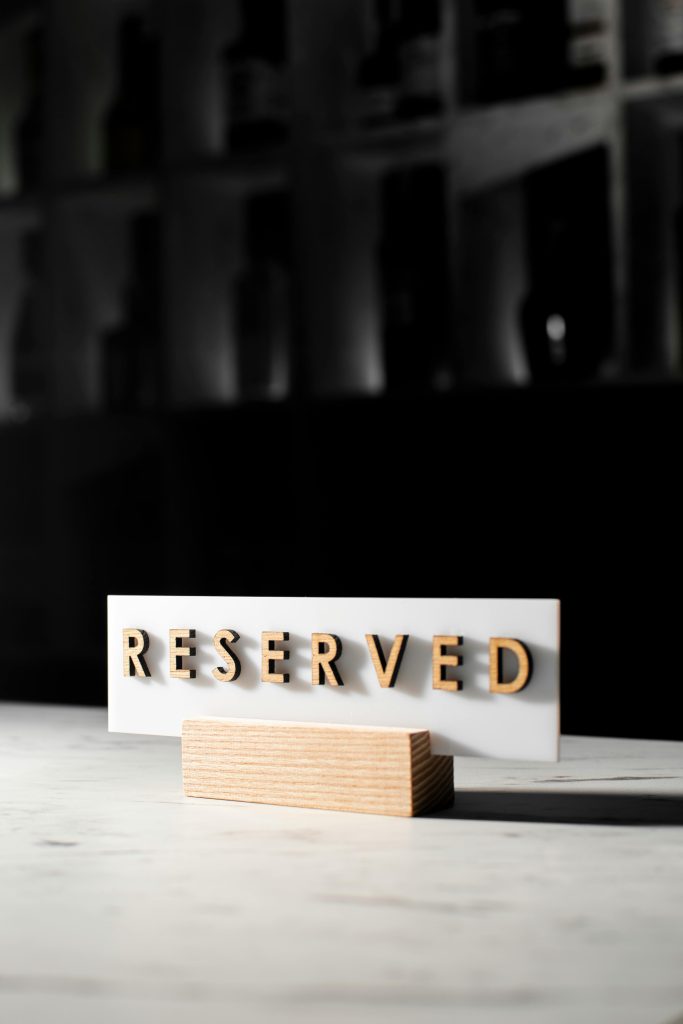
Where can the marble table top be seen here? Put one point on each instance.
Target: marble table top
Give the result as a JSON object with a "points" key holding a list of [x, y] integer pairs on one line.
{"points": [[549, 893]]}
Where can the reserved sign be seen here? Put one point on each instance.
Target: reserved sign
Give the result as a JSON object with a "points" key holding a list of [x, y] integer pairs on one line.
{"points": [[482, 675]]}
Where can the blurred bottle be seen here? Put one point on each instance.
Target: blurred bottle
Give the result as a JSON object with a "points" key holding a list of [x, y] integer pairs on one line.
{"points": [[256, 79], [666, 34], [29, 372], [263, 300], [413, 278], [132, 351], [133, 124], [675, 361], [587, 42], [519, 48], [567, 315], [30, 131], [501, 70], [420, 86], [379, 71]]}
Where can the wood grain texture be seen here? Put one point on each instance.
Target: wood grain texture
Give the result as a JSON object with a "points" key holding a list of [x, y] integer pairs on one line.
{"points": [[178, 650], [387, 669], [326, 649], [497, 645], [231, 671], [442, 660], [331, 767], [270, 654], [135, 646]]}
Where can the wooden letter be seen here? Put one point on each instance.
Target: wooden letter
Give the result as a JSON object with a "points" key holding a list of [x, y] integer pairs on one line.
{"points": [[135, 646], [178, 651], [220, 641], [497, 644], [387, 671], [270, 654], [441, 661], [325, 649]]}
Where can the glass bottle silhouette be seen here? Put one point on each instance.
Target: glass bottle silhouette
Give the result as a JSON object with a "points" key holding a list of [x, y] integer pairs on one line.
{"points": [[499, 32], [263, 300], [29, 372], [520, 48], [412, 277], [587, 42], [666, 35], [255, 78], [421, 88], [132, 350], [379, 70], [566, 317], [30, 133], [133, 124]]}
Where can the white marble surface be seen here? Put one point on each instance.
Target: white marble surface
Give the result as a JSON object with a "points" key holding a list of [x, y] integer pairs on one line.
{"points": [[549, 894]]}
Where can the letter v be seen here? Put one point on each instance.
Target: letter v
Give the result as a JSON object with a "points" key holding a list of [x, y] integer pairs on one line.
{"points": [[386, 669]]}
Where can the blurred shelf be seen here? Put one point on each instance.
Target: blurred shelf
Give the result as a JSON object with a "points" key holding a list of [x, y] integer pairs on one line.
{"points": [[480, 147], [492, 145], [243, 173], [106, 435], [652, 87], [22, 212], [403, 144], [11, 421], [19, 14], [537, 101], [489, 145], [126, 193]]}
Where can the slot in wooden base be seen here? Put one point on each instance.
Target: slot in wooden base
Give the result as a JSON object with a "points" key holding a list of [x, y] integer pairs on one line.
{"points": [[331, 767]]}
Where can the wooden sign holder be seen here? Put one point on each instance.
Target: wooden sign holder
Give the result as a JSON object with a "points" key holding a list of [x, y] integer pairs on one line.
{"points": [[331, 767]]}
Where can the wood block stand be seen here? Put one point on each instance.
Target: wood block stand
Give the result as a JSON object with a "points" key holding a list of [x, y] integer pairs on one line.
{"points": [[331, 767]]}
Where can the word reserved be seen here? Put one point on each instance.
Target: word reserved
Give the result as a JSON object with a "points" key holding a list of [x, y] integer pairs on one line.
{"points": [[326, 652], [482, 675]]}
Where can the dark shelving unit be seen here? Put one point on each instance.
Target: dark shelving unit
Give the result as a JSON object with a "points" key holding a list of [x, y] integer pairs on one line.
{"points": [[90, 483]]}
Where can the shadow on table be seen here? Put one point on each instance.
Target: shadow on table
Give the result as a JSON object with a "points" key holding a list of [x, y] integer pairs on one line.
{"points": [[570, 808]]}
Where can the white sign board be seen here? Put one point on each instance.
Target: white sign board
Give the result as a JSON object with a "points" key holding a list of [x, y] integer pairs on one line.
{"points": [[454, 666]]}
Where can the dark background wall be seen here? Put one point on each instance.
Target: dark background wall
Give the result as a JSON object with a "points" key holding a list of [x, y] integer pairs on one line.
{"points": [[410, 325]]}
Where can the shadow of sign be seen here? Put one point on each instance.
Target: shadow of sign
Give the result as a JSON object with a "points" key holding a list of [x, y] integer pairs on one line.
{"points": [[566, 808]]}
